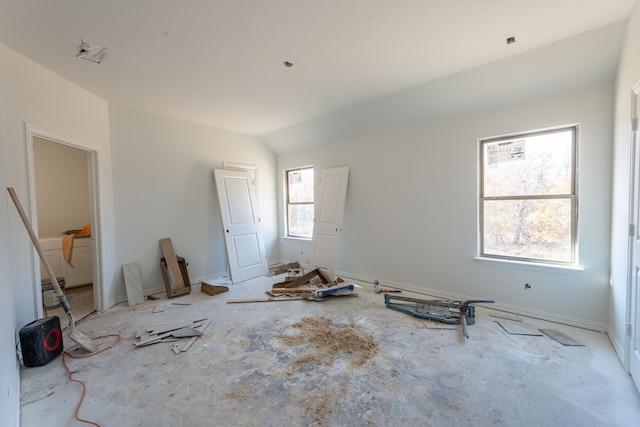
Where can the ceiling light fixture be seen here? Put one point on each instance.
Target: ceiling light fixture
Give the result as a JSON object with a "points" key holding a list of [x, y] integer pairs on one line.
{"points": [[91, 52], [511, 39]]}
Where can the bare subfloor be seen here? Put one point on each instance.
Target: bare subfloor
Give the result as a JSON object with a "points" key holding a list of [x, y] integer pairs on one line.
{"points": [[340, 362]]}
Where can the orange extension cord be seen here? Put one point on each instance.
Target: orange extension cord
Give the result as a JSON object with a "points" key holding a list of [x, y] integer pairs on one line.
{"points": [[118, 338]]}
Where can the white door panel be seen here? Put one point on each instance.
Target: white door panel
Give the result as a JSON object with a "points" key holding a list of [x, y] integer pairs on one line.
{"points": [[241, 223], [327, 227], [247, 250]]}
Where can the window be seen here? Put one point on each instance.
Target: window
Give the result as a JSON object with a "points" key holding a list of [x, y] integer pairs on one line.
{"points": [[528, 197], [299, 192]]}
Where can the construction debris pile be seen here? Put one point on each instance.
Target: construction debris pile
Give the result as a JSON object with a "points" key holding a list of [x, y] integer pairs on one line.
{"points": [[314, 285]]}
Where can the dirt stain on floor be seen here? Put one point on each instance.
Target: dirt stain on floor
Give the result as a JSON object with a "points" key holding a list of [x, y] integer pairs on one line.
{"points": [[329, 340]]}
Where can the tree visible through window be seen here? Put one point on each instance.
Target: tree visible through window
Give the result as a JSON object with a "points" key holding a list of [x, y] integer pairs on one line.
{"points": [[528, 196], [300, 202]]}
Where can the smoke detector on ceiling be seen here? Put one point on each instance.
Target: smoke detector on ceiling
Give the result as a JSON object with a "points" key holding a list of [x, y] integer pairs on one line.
{"points": [[91, 52]]}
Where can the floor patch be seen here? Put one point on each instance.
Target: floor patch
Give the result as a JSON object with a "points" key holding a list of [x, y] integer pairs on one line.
{"points": [[561, 337]]}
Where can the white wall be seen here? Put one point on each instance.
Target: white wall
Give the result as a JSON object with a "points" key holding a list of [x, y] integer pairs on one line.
{"points": [[628, 76], [62, 187], [410, 215], [32, 95], [164, 187], [9, 379]]}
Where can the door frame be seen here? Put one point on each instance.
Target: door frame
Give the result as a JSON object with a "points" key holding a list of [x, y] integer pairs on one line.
{"points": [[96, 212], [630, 326]]}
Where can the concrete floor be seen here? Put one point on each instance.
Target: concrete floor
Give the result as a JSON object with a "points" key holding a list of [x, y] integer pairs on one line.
{"points": [[80, 300], [275, 364]]}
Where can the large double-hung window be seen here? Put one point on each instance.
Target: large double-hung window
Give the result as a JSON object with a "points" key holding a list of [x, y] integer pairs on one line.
{"points": [[528, 196]]}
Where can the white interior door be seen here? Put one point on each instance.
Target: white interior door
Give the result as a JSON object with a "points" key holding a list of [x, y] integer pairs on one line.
{"points": [[327, 224], [241, 223], [634, 304]]}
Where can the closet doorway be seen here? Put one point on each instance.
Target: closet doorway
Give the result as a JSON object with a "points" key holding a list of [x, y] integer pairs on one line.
{"points": [[62, 180]]}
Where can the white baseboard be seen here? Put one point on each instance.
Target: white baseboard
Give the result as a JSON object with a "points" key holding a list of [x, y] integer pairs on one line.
{"points": [[618, 347], [498, 306]]}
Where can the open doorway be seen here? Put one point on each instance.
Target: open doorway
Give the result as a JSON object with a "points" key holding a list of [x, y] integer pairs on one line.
{"points": [[62, 180]]}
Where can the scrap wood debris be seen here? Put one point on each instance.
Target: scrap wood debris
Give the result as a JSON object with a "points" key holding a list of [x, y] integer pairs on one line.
{"points": [[314, 285], [292, 269], [313, 277], [211, 289], [191, 329], [328, 340]]}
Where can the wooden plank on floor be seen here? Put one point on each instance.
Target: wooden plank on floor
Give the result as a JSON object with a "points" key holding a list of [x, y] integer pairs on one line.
{"points": [[159, 329], [561, 337], [519, 329], [200, 329], [173, 269], [133, 283], [245, 301]]}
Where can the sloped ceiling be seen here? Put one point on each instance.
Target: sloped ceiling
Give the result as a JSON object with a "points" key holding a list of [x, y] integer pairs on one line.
{"points": [[220, 62]]}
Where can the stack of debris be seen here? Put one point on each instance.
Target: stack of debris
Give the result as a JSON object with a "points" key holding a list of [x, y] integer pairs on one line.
{"points": [[314, 285], [174, 332]]}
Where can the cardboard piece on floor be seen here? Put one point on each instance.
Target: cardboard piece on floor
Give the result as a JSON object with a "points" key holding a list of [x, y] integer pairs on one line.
{"points": [[561, 337], [212, 289], [519, 329], [174, 271], [133, 283]]}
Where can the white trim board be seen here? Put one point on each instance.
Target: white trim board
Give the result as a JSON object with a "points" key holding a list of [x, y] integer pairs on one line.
{"points": [[617, 347]]}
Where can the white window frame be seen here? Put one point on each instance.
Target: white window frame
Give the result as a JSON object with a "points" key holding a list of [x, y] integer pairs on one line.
{"points": [[572, 196], [287, 203]]}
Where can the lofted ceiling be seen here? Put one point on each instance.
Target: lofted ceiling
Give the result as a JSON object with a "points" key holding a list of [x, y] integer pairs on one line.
{"points": [[221, 62]]}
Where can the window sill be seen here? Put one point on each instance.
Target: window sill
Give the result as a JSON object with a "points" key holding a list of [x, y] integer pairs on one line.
{"points": [[299, 239], [547, 268]]}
